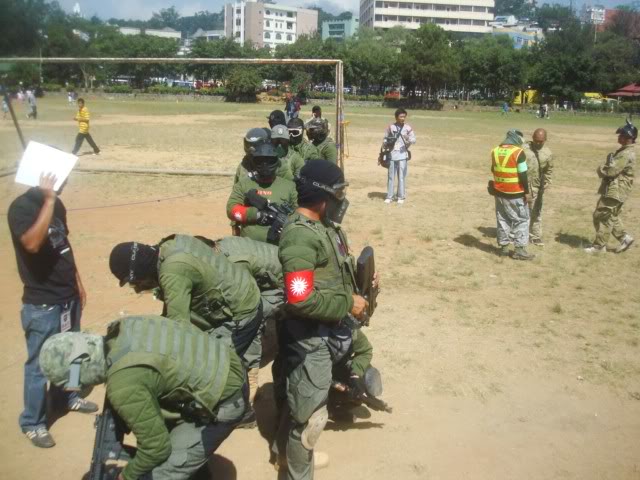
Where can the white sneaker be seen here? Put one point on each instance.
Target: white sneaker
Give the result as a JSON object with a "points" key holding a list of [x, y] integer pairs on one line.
{"points": [[625, 243], [595, 250], [387, 201], [400, 201]]}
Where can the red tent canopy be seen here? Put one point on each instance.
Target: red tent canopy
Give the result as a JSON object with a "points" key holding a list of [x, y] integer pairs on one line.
{"points": [[631, 90]]}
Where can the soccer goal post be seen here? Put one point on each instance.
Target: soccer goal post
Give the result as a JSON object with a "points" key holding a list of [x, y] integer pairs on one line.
{"points": [[339, 75]]}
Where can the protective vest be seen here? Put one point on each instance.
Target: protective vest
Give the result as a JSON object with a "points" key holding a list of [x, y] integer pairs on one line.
{"points": [[194, 366], [505, 169], [334, 271], [223, 290], [261, 258]]}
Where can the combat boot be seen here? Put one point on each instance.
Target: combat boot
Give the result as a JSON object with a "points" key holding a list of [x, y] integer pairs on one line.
{"points": [[320, 460], [504, 251], [625, 243], [595, 250], [522, 254]]}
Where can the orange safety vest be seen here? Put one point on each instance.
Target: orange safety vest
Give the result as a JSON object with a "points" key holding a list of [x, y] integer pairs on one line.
{"points": [[505, 169]]}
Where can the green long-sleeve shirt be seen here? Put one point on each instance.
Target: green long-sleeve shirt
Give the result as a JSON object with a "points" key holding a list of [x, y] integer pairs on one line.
{"points": [[362, 353], [328, 150], [618, 173], [280, 191], [308, 245], [134, 394]]}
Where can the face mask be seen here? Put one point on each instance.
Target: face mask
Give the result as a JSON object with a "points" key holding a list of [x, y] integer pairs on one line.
{"points": [[336, 209], [266, 169], [281, 151]]}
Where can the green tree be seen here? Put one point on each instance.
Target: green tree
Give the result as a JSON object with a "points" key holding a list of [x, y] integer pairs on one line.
{"points": [[428, 60], [243, 84], [167, 17], [554, 16], [518, 8]]}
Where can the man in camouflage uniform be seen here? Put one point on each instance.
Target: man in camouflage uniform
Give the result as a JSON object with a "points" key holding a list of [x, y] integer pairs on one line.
{"points": [[318, 278], [306, 150], [319, 136], [151, 363], [252, 222], [196, 285], [617, 179], [253, 138], [539, 171]]}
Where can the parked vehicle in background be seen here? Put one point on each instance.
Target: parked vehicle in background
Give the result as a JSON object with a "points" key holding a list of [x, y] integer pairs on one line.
{"points": [[392, 93]]}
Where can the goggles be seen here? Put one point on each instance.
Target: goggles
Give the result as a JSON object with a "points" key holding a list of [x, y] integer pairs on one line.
{"points": [[338, 190], [295, 132]]}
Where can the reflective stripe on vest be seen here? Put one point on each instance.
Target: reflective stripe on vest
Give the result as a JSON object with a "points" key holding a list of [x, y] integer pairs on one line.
{"points": [[505, 169], [193, 365]]}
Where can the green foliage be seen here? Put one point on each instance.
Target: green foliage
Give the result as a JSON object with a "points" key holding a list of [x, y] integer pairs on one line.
{"points": [[118, 89], [51, 87], [554, 16], [243, 84], [519, 8], [428, 59], [166, 90]]}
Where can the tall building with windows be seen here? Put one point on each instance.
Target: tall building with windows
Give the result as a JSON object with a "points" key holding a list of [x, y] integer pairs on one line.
{"points": [[267, 24], [339, 29], [464, 16]]}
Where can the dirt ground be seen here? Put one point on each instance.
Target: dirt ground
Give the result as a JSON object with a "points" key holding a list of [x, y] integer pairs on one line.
{"points": [[495, 369]]}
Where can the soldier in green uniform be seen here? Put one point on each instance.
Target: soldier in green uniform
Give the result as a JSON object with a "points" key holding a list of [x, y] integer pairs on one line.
{"points": [[252, 222], [306, 150], [617, 179], [280, 140], [253, 138], [318, 279], [151, 363], [317, 133], [196, 285], [539, 172]]}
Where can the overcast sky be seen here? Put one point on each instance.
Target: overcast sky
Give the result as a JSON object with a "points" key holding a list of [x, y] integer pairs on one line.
{"points": [[142, 9]]}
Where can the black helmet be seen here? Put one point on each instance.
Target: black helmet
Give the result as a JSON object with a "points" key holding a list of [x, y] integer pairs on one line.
{"points": [[277, 118], [265, 162], [629, 130], [255, 137]]}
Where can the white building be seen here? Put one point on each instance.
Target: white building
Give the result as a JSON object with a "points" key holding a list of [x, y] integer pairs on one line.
{"points": [[267, 24], [164, 33], [208, 35], [593, 14], [465, 16]]}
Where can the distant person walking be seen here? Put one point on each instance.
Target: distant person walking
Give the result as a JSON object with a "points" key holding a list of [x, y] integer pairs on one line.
{"points": [[292, 107], [617, 179], [31, 102], [398, 137], [82, 117], [316, 112]]}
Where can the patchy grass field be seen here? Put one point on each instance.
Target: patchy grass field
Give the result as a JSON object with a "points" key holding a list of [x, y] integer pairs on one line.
{"points": [[496, 369]]}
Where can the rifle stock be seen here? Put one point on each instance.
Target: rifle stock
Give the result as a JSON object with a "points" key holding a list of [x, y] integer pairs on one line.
{"points": [[366, 269]]}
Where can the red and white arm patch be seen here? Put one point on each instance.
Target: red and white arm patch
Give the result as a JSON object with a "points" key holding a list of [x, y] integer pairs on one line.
{"points": [[239, 213], [298, 285]]}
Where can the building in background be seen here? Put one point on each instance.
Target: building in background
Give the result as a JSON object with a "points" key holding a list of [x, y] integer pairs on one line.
{"points": [[267, 24], [339, 29], [521, 35], [593, 14], [163, 33], [464, 16], [208, 35]]}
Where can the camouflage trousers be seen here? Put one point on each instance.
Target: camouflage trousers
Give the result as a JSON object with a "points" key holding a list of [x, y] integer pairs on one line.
{"points": [[535, 212], [606, 220], [307, 390]]}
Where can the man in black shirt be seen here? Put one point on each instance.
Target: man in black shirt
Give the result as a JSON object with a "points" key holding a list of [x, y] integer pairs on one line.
{"points": [[53, 295]]}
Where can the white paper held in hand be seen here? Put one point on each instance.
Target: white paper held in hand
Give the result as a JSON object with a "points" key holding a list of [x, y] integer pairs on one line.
{"points": [[38, 159]]}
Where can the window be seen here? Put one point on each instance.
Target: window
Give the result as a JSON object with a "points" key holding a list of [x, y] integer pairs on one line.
{"points": [[290, 14], [378, 18], [289, 25], [268, 23], [237, 34], [466, 8], [268, 12], [463, 21], [238, 22], [404, 19], [267, 35], [378, 4], [480, 23], [479, 9], [238, 11], [278, 36], [289, 37]]}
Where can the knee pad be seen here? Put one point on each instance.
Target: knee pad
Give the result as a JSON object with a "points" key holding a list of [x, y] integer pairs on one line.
{"points": [[314, 427]]}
